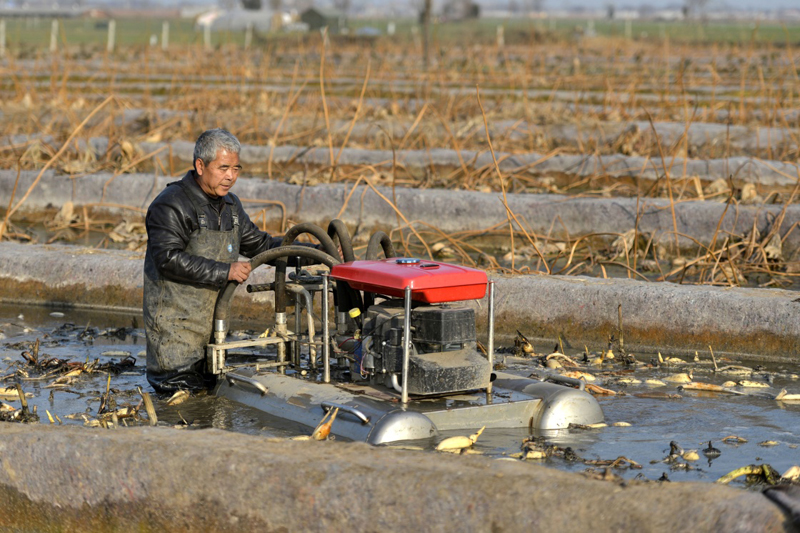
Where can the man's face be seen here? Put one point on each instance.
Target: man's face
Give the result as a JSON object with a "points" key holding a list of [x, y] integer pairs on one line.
{"points": [[217, 178]]}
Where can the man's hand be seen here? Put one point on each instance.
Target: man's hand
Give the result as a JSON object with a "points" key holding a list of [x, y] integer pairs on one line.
{"points": [[239, 271]]}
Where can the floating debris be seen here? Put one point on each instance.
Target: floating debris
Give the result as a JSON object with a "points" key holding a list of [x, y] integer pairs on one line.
{"points": [[690, 455], [674, 448], [679, 378], [696, 385], [783, 396], [323, 429], [598, 425], [577, 374], [711, 452], [116, 353], [793, 474], [746, 383], [535, 448], [768, 443], [459, 442], [755, 473], [736, 370], [596, 389], [565, 360], [619, 462], [148, 405], [522, 346], [12, 393], [733, 439], [178, 398], [658, 396]]}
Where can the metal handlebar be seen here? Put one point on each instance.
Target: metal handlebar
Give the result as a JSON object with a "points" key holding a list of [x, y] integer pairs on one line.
{"points": [[237, 379], [327, 406]]}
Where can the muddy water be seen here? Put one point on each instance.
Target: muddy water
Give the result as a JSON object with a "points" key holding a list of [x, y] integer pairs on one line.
{"points": [[690, 421]]}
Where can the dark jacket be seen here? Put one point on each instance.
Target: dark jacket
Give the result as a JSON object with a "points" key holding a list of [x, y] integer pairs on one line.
{"points": [[171, 219]]}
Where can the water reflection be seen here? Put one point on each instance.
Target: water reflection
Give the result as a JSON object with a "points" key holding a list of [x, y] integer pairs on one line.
{"points": [[692, 421]]}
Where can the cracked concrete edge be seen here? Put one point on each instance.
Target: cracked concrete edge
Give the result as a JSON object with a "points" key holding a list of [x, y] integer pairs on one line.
{"points": [[759, 323], [560, 217], [202, 480]]}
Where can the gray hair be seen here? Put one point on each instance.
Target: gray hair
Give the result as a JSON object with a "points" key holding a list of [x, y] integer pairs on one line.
{"points": [[211, 141]]}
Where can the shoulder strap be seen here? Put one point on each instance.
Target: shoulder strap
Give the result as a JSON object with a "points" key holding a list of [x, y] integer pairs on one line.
{"points": [[201, 216]]}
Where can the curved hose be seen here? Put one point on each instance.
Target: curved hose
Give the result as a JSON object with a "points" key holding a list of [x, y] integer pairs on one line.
{"points": [[307, 227], [280, 265], [345, 298], [222, 308], [380, 238], [338, 229]]}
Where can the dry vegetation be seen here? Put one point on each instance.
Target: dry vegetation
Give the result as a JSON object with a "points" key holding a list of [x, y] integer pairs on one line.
{"points": [[655, 102]]}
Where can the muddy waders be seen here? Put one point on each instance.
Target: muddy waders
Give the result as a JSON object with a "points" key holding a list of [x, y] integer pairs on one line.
{"points": [[179, 316]]}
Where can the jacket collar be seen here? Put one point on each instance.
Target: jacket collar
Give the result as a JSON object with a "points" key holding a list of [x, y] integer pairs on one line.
{"points": [[194, 189]]}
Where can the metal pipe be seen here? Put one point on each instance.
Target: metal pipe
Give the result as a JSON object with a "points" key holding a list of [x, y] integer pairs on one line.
{"points": [[222, 308], [326, 347], [297, 327], [220, 331], [281, 263], [237, 379], [396, 384], [406, 344], [490, 347], [327, 406], [309, 305], [581, 384], [280, 329]]}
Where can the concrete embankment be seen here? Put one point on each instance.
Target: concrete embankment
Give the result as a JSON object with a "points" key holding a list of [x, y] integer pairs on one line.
{"points": [[700, 137], [762, 323], [560, 217], [162, 479], [740, 169]]}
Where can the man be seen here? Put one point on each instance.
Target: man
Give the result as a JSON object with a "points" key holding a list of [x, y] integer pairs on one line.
{"points": [[196, 231]]}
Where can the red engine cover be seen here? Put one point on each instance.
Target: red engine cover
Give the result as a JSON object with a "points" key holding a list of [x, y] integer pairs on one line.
{"points": [[431, 281]]}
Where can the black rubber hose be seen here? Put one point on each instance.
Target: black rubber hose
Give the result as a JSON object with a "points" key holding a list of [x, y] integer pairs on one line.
{"points": [[380, 238], [345, 298], [336, 228], [280, 264], [222, 308]]}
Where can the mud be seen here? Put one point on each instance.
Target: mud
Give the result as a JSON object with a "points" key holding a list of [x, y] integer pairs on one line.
{"points": [[761, 323], [162, 479]]}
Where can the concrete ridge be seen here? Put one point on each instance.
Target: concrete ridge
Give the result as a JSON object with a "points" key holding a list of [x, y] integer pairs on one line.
{"points": [[742, 169], [211, 480], [560, 217], [760, 323]]}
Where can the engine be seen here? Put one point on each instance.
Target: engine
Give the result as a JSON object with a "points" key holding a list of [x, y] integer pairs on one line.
{"points": [[444, 356]]}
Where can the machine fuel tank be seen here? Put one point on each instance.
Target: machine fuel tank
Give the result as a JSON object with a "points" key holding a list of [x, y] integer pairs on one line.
{"points": [[430, 281]]}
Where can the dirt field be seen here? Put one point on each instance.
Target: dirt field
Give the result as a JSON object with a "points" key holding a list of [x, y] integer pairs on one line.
{"points": [[670, 114]]}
